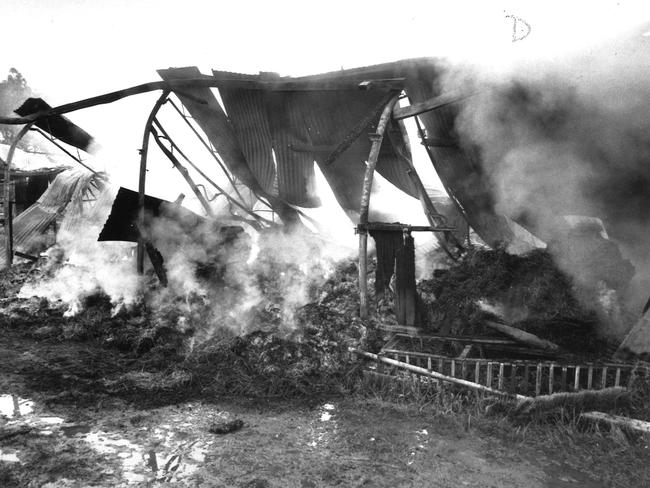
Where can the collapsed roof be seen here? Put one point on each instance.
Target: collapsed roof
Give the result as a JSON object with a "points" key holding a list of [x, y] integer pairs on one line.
{"points": [[274, 128]]}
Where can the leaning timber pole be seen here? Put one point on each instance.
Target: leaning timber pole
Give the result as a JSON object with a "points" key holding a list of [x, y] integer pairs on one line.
{"points": [[376, 139], [9, 225], [143, 175]]}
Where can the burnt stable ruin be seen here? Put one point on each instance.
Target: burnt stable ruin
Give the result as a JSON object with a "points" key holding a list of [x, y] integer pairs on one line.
{"points": [[265, 133]]}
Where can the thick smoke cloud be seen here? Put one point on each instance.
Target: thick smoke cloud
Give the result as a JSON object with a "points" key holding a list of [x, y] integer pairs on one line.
{"points": [[570, 138]]}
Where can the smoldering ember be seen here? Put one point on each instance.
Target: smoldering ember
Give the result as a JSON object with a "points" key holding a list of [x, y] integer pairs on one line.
{"points": [[496, 333]]}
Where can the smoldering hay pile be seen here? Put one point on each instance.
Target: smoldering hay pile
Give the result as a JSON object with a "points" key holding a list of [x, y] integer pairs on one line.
{"points": [[251, 314], [530, 292], [571, 138]]}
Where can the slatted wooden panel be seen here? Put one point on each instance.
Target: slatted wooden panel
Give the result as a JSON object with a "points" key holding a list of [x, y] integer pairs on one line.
{"points": [[527, 377]]}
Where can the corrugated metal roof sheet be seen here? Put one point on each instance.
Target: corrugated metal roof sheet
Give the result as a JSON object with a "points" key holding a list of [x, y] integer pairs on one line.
{"points": [[312, 120], [30, 225], [247, 112]]}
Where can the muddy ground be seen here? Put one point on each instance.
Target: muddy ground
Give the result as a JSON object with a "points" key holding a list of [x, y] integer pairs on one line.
{"points": [[69, 420]]}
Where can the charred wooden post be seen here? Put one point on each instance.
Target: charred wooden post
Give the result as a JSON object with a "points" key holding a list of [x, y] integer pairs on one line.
{"points": [[523, 336], [143, 174], [9, 228], [365, 204]]}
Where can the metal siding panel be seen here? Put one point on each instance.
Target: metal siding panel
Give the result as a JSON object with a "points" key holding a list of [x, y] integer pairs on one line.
{"points": [[296, 178], [330, 116], [213, 121], [246, 110]]}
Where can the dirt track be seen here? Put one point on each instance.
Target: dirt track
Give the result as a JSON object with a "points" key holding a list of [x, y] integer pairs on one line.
{"points": [[77, 431]]}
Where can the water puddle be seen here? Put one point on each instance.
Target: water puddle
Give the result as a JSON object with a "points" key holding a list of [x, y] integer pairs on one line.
{"points": [[140, 464], [322, 431], [9, 457], [12, 406], [421, 443]]}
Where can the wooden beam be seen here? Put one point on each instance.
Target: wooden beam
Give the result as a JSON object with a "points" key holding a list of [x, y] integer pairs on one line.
{"points": [[437, 142], [523, 336], [205, 81], [628, 423], [383, 84], [401, 227], [428, 105], [141, 183], [53, 141], [365, 204]]}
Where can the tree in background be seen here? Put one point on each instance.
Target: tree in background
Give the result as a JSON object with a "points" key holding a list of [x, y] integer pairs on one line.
{"points": [[13, 92]]}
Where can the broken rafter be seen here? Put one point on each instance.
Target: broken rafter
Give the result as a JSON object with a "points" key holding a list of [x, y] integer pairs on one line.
{"points": [[143, 173], [53, 141], [434, 103], [523, 336], [206, 81], [401, 227]]}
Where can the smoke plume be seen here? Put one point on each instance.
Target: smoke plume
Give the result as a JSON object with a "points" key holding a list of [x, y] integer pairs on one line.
{"points": [[570, 138]]}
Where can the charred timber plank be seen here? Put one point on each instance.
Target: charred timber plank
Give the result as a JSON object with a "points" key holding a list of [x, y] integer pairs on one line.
{"points": [[25, 256], [523, 336], [626, 422], [383, 84], [428, 105], [437, 142], [397, 227]]}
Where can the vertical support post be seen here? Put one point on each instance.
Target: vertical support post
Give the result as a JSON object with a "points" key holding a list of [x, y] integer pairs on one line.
{"points": [[501, 376], [9, 225], [433, 216], [142, 180], [538, 379], [365, 205]]}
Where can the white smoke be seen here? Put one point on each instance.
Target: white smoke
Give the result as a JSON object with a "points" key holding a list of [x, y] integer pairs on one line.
{"points": [[569, 137]]}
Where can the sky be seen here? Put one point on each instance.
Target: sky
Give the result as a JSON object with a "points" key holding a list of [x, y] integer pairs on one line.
{"points": [[74, 49]]}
